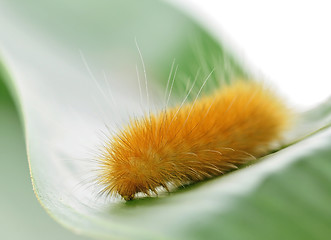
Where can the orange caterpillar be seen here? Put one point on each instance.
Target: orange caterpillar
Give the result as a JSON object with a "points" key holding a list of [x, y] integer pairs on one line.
{"points": [[197, 141]]}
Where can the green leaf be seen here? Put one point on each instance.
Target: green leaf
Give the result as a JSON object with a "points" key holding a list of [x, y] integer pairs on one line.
{"points": [[18, 204], [73, 67]]}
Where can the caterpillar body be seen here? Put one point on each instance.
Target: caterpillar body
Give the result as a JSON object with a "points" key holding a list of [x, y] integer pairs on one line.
{"points": [[193, 142]]}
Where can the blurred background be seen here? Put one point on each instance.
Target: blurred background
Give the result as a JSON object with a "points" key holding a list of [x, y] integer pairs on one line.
{"points": [[286, 42]]}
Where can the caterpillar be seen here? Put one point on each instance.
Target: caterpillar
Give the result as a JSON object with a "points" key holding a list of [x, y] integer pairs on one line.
{"points": [[192, 142]]}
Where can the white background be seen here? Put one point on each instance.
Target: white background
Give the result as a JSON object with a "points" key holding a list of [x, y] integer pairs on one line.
{"points": [[288, 42]]}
